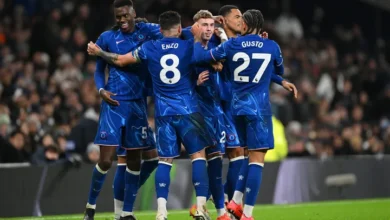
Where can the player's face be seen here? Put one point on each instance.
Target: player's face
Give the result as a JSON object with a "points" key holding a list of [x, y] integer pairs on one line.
{"points": [[207, 27], [233, 21], [124, 17]]}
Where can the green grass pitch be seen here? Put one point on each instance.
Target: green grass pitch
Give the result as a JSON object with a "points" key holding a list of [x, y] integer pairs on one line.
{"points": [[378, 209]]}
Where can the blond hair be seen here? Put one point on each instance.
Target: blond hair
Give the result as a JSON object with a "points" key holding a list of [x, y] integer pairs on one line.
{"points": [[202, 14]]}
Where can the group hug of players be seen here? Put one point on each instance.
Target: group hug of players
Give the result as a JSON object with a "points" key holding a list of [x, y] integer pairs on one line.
{"points": [[210, 83]]}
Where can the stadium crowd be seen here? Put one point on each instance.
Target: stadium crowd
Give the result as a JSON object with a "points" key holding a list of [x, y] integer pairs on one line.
{"points": [[49, 105]]}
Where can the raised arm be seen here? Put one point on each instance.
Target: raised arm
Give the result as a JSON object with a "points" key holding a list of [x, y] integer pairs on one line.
{"points": [[112, 58], [206, 56]]}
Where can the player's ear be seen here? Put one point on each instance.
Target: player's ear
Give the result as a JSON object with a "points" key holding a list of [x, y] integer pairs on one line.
{"points": [[133, 13], [244, 28], [179, 30]]}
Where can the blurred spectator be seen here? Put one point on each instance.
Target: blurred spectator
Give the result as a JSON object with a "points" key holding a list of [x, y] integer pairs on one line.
{"points": [[93, 153], [12, 150]]}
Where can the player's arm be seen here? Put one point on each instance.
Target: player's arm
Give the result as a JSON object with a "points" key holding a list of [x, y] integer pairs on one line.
{"points": [[101, 65], [99, 75], [207, 56], [154, 31], [278, 63], [112, 58]]}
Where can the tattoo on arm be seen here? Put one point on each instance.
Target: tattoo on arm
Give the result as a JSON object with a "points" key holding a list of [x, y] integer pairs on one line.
{"points": [[111, 58]]}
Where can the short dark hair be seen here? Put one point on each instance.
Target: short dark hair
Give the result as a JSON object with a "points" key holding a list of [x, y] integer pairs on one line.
{"points": [[169, 19], [16, 132], [254, 20], [121, 3], [226, 9]]}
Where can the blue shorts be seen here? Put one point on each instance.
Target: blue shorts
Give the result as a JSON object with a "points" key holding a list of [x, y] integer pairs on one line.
{"points": [[232, 140], [255, 131], [123, 126], [190, 130], [216, 127], [120, 151]]}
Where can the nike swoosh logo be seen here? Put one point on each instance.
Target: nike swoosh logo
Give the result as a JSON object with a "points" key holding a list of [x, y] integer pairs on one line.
{"points": [[119, 41]]}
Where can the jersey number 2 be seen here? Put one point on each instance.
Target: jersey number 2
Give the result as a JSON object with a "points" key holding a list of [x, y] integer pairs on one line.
{"points": [[241, 55], [169, 68]]}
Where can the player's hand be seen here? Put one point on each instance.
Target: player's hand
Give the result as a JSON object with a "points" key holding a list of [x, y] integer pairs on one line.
{"points": [[93, 49], [264, 34], [217, 66], [220, 32], [219, 19], [203, 77], [106, 96], [290, 87], [196, 31]]}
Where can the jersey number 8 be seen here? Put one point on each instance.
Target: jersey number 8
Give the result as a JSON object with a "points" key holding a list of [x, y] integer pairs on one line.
{"points": [[169, 68], [241, 55]]}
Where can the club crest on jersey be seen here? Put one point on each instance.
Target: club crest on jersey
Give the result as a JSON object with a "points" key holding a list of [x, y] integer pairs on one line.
{"points": [[231, 137], [141, 37], [103, 135]]}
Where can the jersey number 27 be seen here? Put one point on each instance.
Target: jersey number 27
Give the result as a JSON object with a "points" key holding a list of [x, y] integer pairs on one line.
{"points": [[241, 55]]}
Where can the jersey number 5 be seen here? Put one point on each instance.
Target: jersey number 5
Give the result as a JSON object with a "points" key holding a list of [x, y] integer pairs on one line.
{"points": [[241, 55], [169, 68]]}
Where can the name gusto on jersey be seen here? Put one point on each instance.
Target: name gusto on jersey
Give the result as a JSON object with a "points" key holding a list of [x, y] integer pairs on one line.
{"points": [[169, 46], [258, 44]]}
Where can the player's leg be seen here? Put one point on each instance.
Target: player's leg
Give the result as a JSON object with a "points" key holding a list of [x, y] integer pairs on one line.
{"points": [[194, 135], [134, 141], [214, 169], [108, 138], [235, 204], [132, 176], [239, 188], [167, 148], [214, 160], [119, 182], [234, 153], [98, 177], [260, 139], [149, 158]]}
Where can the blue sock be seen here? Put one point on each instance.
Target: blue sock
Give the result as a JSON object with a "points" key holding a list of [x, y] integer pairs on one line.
{"points": [[98, 177], [147, 168], [226, 189], [119, 182], [131, 188], [162, 180], [200, 178], [242, 176], [215, 181], [232, 175], [253, 183]]}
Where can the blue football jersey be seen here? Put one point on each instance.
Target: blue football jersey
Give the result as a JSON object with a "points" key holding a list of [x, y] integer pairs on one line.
{"points": [[124, 81], [251, 60], [170, 63], [208, 92]]}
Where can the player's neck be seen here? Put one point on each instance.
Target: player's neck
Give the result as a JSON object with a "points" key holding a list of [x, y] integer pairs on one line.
{"points": [[231, 33], [171, 34], [204, 43]]}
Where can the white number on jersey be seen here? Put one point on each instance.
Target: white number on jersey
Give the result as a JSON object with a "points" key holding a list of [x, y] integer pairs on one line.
{"points": [[169, 68], [241, 55], [144, 132], [223, 138]]}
